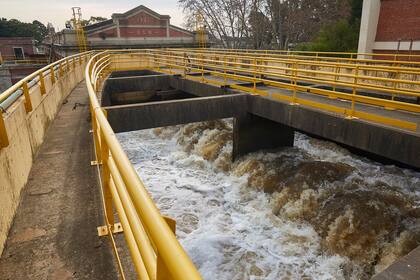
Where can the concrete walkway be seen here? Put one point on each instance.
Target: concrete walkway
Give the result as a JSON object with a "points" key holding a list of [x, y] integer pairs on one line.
{"points": [[54, 231]]}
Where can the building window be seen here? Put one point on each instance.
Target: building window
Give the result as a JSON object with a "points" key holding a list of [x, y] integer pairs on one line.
{"points": [[19, 54]]}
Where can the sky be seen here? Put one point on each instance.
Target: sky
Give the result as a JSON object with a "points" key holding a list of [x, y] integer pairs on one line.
{"points": [[58, 11]]}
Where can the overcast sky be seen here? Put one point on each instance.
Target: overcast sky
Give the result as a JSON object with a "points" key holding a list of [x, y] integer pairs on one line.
{"points": [[58, 11]]}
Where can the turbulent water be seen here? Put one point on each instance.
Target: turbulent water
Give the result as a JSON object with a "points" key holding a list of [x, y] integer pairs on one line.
{"points": [[314, 211]]}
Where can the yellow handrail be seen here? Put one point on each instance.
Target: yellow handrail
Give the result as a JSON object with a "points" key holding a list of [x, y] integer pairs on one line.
{"points": [[146, 225], [320, 58], [175, 62], [41, 72]]}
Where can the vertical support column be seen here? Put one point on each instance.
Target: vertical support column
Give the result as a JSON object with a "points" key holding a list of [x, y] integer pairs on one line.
{"points": [[42, 84], [368, 26], [52, 75], [60, 70], [252, 133], [106, 178], [28, 102], [162, 272], [4, 139]]}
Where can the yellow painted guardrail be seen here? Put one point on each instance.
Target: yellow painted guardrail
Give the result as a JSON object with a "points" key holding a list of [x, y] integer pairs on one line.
{"points": [[364, 76], [53, 71], [353, 55], [289, 77], [155, 251], [347, 57]]}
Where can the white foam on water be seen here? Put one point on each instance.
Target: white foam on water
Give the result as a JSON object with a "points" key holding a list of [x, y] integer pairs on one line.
{"points": [[406, 180], [227, 229]]}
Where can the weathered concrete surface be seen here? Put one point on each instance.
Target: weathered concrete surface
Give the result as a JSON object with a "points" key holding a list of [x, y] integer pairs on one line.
{"points": [[113, 87], [54, 231], [197, 88], [388, 142], [406, 268], [252, 133], [155, 114], [26, 133]]}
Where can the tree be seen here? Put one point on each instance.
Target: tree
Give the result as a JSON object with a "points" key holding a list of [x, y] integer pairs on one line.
{"points": [[225, 20], [271, 23], [16, 28], [92, 20], [342, 35]]}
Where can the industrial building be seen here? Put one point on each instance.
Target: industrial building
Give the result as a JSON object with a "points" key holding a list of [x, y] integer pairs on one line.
{"points": [[390, 26], [19, 57], [140, 27]]}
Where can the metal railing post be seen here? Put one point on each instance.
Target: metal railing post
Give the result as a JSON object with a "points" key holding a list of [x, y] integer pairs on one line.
{"points": [[294, 83], [354, 92], [202, 68], [106, 176], [60, 70], [95, 134], [162, 271], [52, 74], [336, 76], [42, 84], [224, 70], [255, 76], [4, 139], [396, 84], [28, 102]]}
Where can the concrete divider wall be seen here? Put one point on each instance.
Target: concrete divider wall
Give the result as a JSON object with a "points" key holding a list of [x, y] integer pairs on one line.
{"points": [[26, 132]]}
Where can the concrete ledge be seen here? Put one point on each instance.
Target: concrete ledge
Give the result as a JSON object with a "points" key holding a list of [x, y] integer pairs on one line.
{"points": [[406, 268], [156, 114], [196, 88], [114, 86]]}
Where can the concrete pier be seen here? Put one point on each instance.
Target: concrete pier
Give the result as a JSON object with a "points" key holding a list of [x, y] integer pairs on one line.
{"points": [[252, 133]]}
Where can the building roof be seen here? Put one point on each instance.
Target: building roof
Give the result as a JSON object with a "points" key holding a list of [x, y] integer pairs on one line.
{"points": [[138, 9], [109, 22]]}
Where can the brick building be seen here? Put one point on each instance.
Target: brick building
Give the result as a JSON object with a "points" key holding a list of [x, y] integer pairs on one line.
{"points": [[18, 58], [390, 26], [12, 48], [137, 28]]}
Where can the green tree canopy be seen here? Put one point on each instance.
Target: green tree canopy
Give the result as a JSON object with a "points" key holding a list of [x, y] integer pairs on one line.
{"points": [[16, 28], [343, 35]]}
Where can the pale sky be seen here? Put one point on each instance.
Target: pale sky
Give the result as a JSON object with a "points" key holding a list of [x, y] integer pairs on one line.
{"points": [[58, 11]]}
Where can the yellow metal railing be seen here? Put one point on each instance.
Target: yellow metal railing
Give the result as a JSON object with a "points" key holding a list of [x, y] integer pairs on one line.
{"points": [[405, 80], [10, 60], [338, 56], [51, 72], [394, 59], [155, 251], [350, 86]]}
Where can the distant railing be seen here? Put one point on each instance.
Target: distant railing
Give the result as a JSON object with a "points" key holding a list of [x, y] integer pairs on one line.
{"points": [[398, 86], [396, 60], [339, 56], [53, 72], [155, 251], [12, 60]]}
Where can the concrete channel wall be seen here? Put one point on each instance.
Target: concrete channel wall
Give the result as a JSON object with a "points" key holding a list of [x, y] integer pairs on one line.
{"points": [[26, 133]]}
